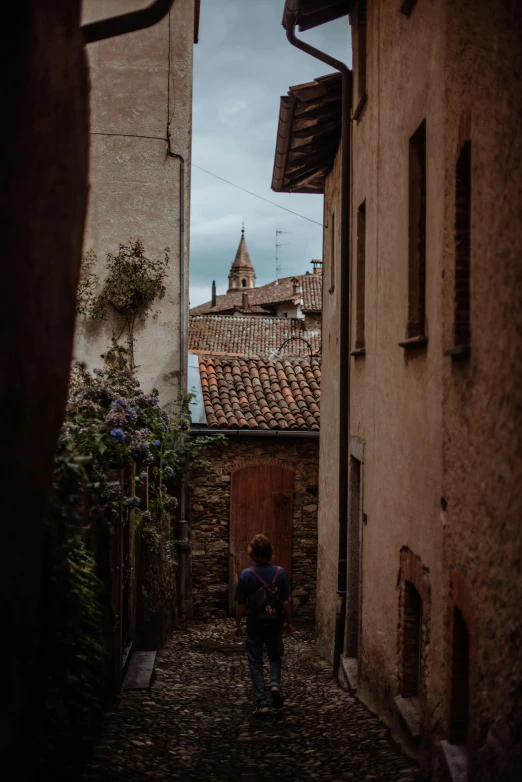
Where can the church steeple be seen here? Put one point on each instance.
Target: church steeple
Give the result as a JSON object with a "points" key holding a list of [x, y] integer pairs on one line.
{"points": [[242, 273]]}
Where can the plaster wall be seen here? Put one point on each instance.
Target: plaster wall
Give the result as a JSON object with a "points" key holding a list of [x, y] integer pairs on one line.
{"points": [[210, 521], [328, 516], [483, 394], [396, 394], [138, 80]]}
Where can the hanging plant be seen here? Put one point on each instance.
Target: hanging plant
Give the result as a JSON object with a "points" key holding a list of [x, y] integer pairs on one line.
{"points": [[132, 284]]}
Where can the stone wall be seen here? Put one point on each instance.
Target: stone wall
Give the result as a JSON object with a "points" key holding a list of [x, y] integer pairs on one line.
{"points": [[210, 515]]}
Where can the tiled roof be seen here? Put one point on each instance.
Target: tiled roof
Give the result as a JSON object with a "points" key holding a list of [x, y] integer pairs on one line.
{"points": [[312, 285], [254, 335], [261, 394], [308, 135], [271, 294]]}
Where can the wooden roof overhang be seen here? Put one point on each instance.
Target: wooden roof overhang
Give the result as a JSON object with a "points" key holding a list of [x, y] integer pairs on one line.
{"points": [[311, 13], [308, 135]]}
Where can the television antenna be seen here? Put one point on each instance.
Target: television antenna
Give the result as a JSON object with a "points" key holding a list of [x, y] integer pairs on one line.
{"points": [[279, 244]]}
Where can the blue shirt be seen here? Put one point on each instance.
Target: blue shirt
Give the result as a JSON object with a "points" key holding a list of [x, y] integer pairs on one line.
{"points": [[248, 583]]}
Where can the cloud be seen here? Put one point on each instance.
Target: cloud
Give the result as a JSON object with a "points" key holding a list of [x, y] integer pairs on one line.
{"points": [[243, 64]]}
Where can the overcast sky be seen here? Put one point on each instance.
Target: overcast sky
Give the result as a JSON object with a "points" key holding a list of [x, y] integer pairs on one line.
{"points": [[242, 65]]}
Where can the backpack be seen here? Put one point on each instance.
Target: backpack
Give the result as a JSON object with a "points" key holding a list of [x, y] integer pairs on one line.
{"points": [[266, 606]]}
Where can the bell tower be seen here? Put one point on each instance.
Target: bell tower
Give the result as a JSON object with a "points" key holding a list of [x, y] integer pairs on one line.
{"points": [[242, 274]]}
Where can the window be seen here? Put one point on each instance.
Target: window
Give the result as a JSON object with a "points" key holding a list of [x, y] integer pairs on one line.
{"points": [[411, 641], [407, 7], [459, 680], [243, 283], [361, 273], [417, 235], [332, 254], [462, 330]]}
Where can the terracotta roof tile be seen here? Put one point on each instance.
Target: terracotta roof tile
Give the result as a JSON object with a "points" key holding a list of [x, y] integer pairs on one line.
{"points": [[260, 394], [260, 299], [254, 335]]}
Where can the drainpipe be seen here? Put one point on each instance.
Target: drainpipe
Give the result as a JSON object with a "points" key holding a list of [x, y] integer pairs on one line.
{"points": [[289, 23], [183, 530]]}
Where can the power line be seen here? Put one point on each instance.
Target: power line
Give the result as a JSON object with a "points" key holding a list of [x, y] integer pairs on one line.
{"points": [[257, 196], [261, 198]]}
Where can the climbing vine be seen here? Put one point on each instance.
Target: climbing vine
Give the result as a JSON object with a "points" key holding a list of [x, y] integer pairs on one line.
{"points": [[110, 424], [132, 284]]}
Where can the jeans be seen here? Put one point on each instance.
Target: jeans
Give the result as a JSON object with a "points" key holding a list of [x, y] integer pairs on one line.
{"points": [[256, 638]]}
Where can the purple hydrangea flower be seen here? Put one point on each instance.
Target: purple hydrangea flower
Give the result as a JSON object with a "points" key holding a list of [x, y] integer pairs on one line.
{"points": [[169, 471], [132, 502], [143, 475], [117, 435], [146, 515], [121, 402], [163, 488], [172, 503]]}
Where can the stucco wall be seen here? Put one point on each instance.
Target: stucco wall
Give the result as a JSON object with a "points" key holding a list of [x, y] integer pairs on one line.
{"points": [[134, 186], [441, 437], [483, 395], [396, 394], [328, 517], [210, 521]]}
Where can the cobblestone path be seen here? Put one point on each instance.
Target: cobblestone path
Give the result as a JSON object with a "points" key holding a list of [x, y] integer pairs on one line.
{"points": [[197, 723]]}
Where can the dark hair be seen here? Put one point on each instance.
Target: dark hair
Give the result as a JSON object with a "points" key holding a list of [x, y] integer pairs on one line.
{"points": [[260, 549]]}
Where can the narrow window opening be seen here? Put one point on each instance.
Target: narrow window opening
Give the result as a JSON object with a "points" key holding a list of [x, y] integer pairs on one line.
{"points": [[332, 254], [353, 617], [462, 335], [361, 275], [243, 283], [361, 48], [411, 642], [417, 234], [459, 680]]}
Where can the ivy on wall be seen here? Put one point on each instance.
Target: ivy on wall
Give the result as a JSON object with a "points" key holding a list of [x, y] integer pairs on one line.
{"points": [[132, 284]]}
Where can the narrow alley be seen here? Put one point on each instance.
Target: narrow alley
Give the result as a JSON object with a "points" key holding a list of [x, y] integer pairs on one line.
{"points": [[196, 722]]}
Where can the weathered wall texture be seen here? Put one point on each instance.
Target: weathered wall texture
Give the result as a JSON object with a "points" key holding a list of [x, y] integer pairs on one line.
{"points": [[138, 80], [482, 483], [210, 519], [441, 479], [328, 516], [396, 393], [43, 196]]}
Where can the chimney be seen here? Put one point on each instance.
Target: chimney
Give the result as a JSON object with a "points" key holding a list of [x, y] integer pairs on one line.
{"points": [[213, 293], [317, 264], [245, 301], [295, 286]]}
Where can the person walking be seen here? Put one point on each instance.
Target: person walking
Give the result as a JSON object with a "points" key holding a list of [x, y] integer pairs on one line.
{"points": [[263, 593]]}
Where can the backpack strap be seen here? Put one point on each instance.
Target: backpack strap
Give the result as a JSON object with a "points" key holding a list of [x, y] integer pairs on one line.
{"points": [[257, 576], [276, 575]]}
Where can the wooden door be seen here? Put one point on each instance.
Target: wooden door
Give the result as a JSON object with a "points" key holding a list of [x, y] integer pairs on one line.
{"points": [[261, 501]]}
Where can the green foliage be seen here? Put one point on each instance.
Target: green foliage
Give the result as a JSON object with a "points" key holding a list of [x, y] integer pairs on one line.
{"points": [[109, 423], [132, 284], [71, 664]]}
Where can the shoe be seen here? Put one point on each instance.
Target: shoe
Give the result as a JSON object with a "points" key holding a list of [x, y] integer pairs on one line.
{"points": [[261, 711], [277, 698]]}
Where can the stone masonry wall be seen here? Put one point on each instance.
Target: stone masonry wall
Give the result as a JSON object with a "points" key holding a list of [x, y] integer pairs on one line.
{"points": [[210, 517]]}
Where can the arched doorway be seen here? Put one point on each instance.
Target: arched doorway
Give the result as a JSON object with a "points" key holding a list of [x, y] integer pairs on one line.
{"points": [[261, 500]]}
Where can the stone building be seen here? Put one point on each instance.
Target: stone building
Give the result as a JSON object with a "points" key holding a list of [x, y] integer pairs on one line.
{"points": [[256, 373], [419, 545], [141, 135]]}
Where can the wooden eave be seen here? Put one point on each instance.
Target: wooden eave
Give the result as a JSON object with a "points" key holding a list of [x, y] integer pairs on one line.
{"points": [[312, 13], [308, 135]]}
